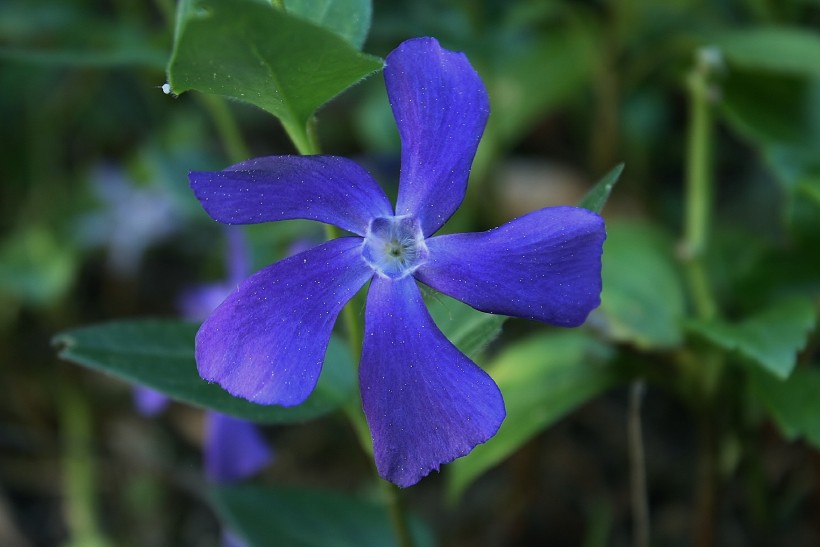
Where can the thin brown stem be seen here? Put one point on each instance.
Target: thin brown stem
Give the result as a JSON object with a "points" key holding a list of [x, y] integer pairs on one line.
{"points": [[637, 467]]}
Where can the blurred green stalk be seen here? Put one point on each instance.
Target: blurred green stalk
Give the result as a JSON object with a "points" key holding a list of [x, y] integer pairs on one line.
{"points": [[697, 226], [79, 480]]}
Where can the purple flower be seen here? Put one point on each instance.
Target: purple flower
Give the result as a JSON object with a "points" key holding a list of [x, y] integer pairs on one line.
{"points": [[234, 449], [426, 403], [149, 402]]}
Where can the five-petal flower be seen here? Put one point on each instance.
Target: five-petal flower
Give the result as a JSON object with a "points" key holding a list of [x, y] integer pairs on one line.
{"points": [[426, 403]]}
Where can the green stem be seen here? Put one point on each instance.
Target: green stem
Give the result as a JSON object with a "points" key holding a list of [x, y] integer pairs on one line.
{"points": [[698, 210], [303, 136], [226, 126], [697, 224], [78, 470], [397, 515]]}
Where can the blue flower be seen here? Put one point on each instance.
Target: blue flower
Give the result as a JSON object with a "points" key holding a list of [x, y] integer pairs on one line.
{"points": [[426, 403]]}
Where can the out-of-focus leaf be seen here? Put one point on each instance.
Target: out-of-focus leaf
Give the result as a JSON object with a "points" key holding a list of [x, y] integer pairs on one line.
{"points": [[775, 49], [64, 34], [542, 379], [770, 339], [350, 19], [469, 330], [642, 301], [34, 267], [793, 403], [597, 197], [535, 77], [252, 52], [773, 109], [159, 353], [287, 516]]}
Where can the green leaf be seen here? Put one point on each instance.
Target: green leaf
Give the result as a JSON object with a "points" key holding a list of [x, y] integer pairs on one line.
{"points": [[249, 51], [468, 329], [522, 95], [68, 34], [287, 516], [642, 301], [598, 195], [776, 49], [159, 353], [770, 339], [773, 109], [542, 379], [793, 404], [35, 267], [350, 19]]}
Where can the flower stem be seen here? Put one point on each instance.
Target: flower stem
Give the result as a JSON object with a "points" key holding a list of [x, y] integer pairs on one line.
{"points": [[397, 515], [637, 467], [697, 224], [698, 205], [303, 136], [78, 470]]}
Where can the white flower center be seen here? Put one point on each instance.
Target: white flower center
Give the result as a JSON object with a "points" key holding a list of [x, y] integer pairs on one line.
{"points": [[394, 246]]}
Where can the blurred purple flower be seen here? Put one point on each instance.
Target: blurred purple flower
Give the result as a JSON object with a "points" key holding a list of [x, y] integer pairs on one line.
{"points": [[131, 218], [234, 448], [426, 403], [149, 402]]}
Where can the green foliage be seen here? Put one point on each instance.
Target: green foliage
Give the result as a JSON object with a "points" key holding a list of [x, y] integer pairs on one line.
{"points": [[793, 403], [543, 378], [469, 330], [777, 49], [234, 48], [159, 353], [288, 516], [35, 267], [642, 300], [770, 339], [521, 95], [350, 19], [598, 195], [61, 34], [773, 109]]}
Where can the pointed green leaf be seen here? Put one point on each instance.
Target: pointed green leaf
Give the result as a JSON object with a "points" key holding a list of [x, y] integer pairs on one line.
{"points": [[598, 195], [793, 403], [642, 301], [776, 49], [770, 339], [350, 19], [159, 353], [250, 51], [542, 379], [287, 516]]}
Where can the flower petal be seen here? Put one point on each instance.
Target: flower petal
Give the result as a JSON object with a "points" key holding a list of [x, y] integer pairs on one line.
{"points": [[425, 401], [266, 342], [325, 188], [234, 449], [441, 108], [545, 265]]}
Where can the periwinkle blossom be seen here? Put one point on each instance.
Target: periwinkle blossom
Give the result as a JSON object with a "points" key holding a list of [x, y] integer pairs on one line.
{"points": [[426, 403]]}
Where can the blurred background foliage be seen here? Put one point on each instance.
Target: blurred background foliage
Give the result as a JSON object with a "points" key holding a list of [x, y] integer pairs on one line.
{"points": [[97, 223]]}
